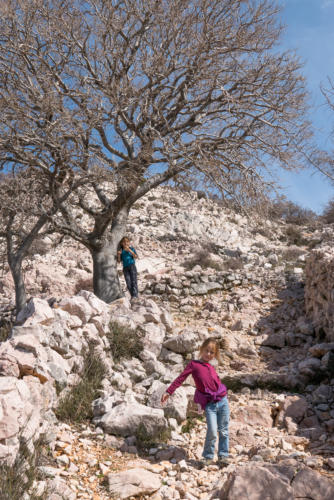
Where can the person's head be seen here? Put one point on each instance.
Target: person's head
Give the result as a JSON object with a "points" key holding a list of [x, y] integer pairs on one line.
{"points": [[125, 242], [209, 350]]}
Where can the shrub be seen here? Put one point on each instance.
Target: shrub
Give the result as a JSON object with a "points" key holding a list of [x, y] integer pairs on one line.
{"points": [[292, 253], [125, 343], [292, 213], [76, 404], [263, 231], [294, 235], [146, 440], [233, 263], [201, 194], [16, 481], [190, 424], [204, 260], [5, 329], [84, 284], [328, 213]]}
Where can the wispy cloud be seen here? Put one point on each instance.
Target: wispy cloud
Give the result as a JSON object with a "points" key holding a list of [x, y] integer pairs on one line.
{"points": [[327, 3]]}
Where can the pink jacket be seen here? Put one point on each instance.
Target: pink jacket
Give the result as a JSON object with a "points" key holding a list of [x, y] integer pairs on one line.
{"points": [[208, 385]]}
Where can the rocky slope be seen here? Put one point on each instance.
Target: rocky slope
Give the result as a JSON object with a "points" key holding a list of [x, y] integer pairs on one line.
{"points": [[204, 271]]}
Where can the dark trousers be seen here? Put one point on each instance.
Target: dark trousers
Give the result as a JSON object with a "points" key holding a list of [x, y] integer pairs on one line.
{"points": [[130, 275]]}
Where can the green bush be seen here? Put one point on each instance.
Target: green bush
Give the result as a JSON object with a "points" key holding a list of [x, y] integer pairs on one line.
{"points": [[76, 404], [190, 424], [144, 440], [17, 480], [125, 343]]}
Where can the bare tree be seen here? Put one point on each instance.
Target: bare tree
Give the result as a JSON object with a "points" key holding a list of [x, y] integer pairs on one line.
{"points": [[26, 210], [20, 224], [144, 92], [325, 160]]}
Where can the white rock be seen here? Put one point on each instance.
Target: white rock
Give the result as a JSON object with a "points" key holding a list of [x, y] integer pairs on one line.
{"points": [[133, 482]]}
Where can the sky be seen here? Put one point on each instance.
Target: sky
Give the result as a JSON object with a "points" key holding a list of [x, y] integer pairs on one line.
{"points": [[310, 33]]}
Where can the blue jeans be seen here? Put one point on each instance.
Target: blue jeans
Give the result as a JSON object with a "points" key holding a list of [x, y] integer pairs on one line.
{"points": [[217, 419], [130, 275]]}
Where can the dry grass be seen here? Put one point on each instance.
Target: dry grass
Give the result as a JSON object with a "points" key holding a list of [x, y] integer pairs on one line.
{"points": [[16, 481], [76, 405], [125, 343]]}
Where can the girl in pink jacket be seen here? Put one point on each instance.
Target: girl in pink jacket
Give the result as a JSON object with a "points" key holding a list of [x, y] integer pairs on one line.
{"points": [[211, 394]]}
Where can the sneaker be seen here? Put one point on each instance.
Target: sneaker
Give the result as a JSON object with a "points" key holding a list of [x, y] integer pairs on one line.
{"points": [[205, 462], [223, 461]]}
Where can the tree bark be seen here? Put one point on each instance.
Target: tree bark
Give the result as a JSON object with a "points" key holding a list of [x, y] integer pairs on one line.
{"points": [[106, 282], [15, 265], [105, 275]]}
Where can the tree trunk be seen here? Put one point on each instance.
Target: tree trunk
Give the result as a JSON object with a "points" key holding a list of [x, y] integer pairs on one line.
{"points": [[105, 275], [15, 265], [106, 283]]}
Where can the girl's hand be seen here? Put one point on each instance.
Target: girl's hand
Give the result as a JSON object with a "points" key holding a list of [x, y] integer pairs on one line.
{"points": [[164, 397]]}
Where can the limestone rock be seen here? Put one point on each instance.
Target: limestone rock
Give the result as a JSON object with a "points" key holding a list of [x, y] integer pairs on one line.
{"points": [[183, 343], [36, 311], [256, 483], [310, 484], [126, 418], [133, 482]]}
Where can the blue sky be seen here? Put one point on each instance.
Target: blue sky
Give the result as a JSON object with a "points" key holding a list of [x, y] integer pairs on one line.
{"points": [[310, 33]]}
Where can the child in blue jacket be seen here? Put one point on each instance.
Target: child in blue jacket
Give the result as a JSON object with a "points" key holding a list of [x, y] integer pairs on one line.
{"points": [[127, 254]]}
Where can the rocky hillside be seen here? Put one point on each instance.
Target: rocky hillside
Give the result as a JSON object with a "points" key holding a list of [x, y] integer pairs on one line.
{"points": [[203, 271]]}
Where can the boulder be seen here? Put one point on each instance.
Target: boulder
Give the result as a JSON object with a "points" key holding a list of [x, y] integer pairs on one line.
{"points": [[77, 306], [154, 335], [133, 483], [312, 485], [309, 366], [256, 483], [253, 415], [294, 407], [176, 406], [36, 311], [126, 418], [183, 343]]}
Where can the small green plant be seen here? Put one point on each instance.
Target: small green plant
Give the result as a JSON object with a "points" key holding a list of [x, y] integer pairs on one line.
{"points": [[189, 425], [76, 405], [125, 343], [17, 480], [146, 440], [5, 329]]}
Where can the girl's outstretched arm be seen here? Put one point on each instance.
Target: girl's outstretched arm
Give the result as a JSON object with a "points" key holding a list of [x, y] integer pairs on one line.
{"points": [[164, 397], [181, 378]]}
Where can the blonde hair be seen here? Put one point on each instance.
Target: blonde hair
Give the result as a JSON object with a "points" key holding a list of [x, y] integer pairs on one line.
{"points": [[122, 241], [216, 343]]}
